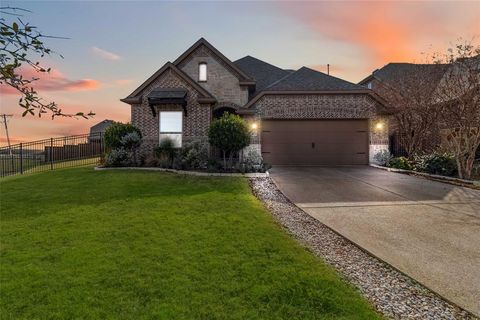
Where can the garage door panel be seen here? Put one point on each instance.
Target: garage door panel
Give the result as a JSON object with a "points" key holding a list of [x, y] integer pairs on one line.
{"points": [[315, 137], [315, 142]]}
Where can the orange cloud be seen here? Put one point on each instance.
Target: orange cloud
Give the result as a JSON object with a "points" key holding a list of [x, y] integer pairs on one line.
{"points": [[388, 31], [52, 81]]}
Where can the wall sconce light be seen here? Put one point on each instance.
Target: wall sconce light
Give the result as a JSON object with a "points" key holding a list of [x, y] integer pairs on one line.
{"points": [[379, 126], [254, 126]]}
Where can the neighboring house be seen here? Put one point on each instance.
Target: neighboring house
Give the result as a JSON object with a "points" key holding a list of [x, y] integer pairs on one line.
{"points": [[99, 128], [418, 81], [302, 117]]}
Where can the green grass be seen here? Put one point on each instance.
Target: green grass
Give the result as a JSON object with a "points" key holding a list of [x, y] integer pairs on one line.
{"points": [[84, 244]]}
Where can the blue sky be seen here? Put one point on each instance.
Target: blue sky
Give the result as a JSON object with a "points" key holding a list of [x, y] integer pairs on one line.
{"points": [[112, 47]]}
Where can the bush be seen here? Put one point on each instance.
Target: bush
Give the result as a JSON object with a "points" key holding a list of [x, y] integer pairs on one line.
{"points": [[400, 163], [253, 162], [114, 134], [230, 134], [166, 152], [131, 142], [117, 158], [437, 163], [192, 156], [383, 157]]}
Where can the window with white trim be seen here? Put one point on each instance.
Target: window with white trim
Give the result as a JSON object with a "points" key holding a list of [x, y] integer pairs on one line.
{"points": [[202, 72], [171, 126]]}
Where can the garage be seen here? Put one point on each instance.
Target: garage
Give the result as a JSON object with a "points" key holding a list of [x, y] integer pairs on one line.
{"points": [[315, 142]]}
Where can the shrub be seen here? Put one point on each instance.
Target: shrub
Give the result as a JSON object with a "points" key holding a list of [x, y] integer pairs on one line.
{"points": [[166, 152], [230, 134], [114, 134], [383, 157], [131, 142], [400, 163], [437, 163], [117, 158], [193, 155], [253, 162]]}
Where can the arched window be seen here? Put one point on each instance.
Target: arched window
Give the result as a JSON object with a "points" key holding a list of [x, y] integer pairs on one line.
{"points": [[202, 71]]}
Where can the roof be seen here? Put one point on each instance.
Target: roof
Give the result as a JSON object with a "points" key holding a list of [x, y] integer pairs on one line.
{"points": [[264, 73], [409, 74], [134, 97], [103, 122], [239, 73], [306, 79], [163, 95]]}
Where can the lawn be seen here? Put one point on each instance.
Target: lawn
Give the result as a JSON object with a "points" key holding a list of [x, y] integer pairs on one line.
{"points": [[84, 244]]}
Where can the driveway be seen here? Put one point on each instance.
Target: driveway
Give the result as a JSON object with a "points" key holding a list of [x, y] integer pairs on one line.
{"points": [[429, 230]]}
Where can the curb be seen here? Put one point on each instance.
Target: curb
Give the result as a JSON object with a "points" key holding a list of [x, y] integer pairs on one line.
{"points": [[190, 173], [435, 176]]}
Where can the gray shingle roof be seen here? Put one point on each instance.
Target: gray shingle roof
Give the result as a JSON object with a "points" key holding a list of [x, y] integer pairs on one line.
{"points": [[409, 75], [263, 72], [305, 79]]}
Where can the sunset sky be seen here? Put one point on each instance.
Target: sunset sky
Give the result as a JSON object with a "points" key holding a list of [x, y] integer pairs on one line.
{"points": [[112, 47]]}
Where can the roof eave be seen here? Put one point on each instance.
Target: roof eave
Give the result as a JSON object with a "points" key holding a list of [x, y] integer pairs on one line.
{"points": [[131, 100]]}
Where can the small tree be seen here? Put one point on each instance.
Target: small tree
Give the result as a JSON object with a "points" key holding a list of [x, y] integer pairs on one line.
{"points": [[230, 134], [459, 97], [410, 94]]}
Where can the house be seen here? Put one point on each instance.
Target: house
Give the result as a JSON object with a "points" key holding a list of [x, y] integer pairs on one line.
{"points": [[298, 117], [101, 126]]}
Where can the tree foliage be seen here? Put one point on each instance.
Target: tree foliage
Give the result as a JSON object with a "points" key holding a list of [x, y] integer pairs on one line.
{"points": [[114, 134], [458, 95], [230, 134], [20, 46]]}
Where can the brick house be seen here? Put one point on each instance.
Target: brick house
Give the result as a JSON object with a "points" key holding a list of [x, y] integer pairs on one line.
{"points": [[301, 117]]}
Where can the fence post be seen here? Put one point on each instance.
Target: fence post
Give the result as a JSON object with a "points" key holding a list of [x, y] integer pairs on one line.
{"points": [[21, 158], [51, 153]]}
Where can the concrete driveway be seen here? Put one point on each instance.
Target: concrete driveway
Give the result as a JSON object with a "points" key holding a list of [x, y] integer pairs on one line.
{"points": [[426, 229]]}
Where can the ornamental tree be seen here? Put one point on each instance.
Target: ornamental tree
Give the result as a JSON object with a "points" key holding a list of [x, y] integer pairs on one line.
{"points": [[230, 134]]}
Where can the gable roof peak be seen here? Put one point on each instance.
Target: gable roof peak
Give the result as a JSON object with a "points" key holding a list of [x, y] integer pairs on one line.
{"points": [[167, 66], [202, 41]]}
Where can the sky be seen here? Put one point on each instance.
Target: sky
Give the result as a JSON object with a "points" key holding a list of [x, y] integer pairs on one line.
{"points": [[112, 47]]}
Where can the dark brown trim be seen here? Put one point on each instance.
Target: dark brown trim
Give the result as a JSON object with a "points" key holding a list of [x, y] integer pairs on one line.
{"points": [[247, 83], [206, 100], [133, 100], [240, 74], [178, 72]]}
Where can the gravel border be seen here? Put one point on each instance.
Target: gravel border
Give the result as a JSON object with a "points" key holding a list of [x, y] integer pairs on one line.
{"points": [[391, 292], [190, 173]]}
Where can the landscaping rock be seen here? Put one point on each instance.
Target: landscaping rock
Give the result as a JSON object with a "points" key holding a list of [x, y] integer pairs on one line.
{"points": [[391, 292]]}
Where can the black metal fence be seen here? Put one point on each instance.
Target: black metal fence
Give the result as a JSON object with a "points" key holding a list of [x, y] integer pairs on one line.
{"points": [[50, 154]]}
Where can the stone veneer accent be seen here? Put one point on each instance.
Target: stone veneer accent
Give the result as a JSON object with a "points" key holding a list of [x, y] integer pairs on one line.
{"points": [[195, 124], [221, 82]]}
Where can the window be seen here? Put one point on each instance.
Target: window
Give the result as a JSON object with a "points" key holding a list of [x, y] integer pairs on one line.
{"points": [[171, 125], [369, 85], [202, 72]]}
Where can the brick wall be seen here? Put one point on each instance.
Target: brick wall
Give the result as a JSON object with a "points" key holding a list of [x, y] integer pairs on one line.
{"points": [[316, 107], [195, 123], [221, 82]]}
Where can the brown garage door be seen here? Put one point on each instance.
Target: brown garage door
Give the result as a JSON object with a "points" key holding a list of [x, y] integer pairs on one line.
{"points": [[315, 142]]}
